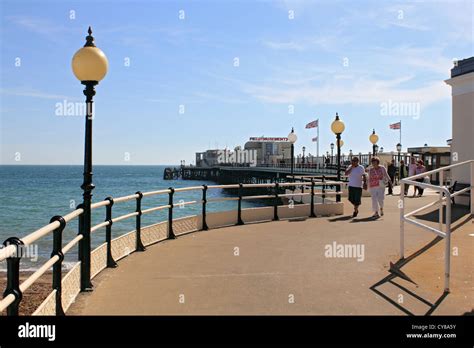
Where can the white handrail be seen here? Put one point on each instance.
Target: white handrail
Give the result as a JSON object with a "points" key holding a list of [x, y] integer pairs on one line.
{"points": [[444, 197]]}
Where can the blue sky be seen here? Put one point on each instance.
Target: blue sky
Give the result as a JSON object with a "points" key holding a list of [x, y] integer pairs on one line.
{"points": [[315, 57]]}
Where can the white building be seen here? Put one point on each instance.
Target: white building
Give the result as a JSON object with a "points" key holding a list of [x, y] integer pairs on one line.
{"points": [[462, 145]]}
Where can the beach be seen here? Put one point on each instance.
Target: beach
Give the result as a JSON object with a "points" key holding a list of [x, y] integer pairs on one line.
{"points": [[36, 293]]}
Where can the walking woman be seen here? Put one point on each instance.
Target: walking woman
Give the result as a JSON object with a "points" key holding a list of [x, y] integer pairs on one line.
{"points": [[378, 179], [420, 168]]}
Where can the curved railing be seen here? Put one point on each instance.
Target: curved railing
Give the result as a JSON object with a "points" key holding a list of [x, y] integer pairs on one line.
{"points": [[66, 288]]}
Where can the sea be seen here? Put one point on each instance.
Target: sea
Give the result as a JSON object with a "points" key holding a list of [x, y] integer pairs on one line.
{"points": [[30, 195]]}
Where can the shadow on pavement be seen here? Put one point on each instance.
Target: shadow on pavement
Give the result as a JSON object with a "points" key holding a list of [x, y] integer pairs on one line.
{"points": [[396, 273], [341, 218]]}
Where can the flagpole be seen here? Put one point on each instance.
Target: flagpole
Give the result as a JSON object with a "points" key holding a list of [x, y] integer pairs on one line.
{"points": [[317, 143], [400, 131]]}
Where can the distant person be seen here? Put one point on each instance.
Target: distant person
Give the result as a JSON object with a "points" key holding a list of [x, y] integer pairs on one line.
{"points": [[420, 168], [378, 179], [411, 172], [357, 178], [392, 170], [403, 173]]}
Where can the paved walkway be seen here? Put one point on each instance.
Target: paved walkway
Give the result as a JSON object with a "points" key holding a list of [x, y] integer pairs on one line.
{"points": [[282, 268]]}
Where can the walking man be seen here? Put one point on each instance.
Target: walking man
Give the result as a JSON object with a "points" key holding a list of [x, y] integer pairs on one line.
{"points": [[392, 170], [357, 179]]}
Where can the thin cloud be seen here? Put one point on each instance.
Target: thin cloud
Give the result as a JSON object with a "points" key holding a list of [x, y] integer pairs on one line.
{"points": [[36, 94], [361, 91]]}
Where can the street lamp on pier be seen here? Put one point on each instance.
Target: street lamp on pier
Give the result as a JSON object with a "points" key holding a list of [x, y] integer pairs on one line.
{"points": [[292, 139], [373, 138], [399, 150], [304, 149], [89, 65], [337, 128]]}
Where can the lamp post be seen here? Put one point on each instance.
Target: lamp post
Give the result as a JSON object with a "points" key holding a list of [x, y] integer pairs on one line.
{"points": [[337, 128], [89, 65], [292, 139], [304, 149], [373, 138], [332, 149], [350, 154], [399, 150]]}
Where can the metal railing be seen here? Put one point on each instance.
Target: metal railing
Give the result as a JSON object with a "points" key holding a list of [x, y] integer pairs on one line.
{"points": [[286, 167], [444, 200], [13, 248]]}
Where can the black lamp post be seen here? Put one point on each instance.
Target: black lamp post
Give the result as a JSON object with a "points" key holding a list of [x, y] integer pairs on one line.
{"points": [[304, 149], [292, 139], [399, 150], [337, 128], [89, 65]]}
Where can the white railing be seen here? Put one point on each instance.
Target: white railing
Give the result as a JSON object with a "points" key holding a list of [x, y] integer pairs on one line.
{"points": [[444, 199]]}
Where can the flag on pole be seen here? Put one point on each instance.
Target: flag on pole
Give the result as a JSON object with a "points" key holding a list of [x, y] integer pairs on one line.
{"points": [[397, 125], [313, 124], [314, 139]]}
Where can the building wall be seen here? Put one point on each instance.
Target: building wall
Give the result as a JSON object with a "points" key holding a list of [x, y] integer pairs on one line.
{"points": [[463, 124]]}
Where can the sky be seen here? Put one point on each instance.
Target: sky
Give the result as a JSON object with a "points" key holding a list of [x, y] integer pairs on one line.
{"points": [[185, 76]]}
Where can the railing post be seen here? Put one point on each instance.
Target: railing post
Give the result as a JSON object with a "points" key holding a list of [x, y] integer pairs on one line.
{"points": [[138, 224], [323, 196], [472, 188], [204, 202], [57, 267], [447, 251], [239, 206], [440, 211], [80, 225], [275, 204], [401, 206], [171, 234], [108, 233], [13, 275], [85, 253], [312, 199]]}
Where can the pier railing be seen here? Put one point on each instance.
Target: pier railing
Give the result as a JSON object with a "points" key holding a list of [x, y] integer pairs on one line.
{"points": [[65, 288], [444, 200]]}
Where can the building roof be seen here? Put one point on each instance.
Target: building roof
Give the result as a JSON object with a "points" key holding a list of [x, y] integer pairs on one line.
{"points": [[463, 67], [429, 149]]}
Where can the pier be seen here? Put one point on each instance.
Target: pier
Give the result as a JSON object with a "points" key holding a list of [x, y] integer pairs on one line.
{"points": [[248, 174]]}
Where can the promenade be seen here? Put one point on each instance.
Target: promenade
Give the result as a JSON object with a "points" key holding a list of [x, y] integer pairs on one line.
{"points": [[282, 268]]}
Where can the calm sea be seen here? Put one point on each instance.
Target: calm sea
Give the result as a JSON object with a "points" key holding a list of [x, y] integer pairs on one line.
{"points": [[31, 195]]}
